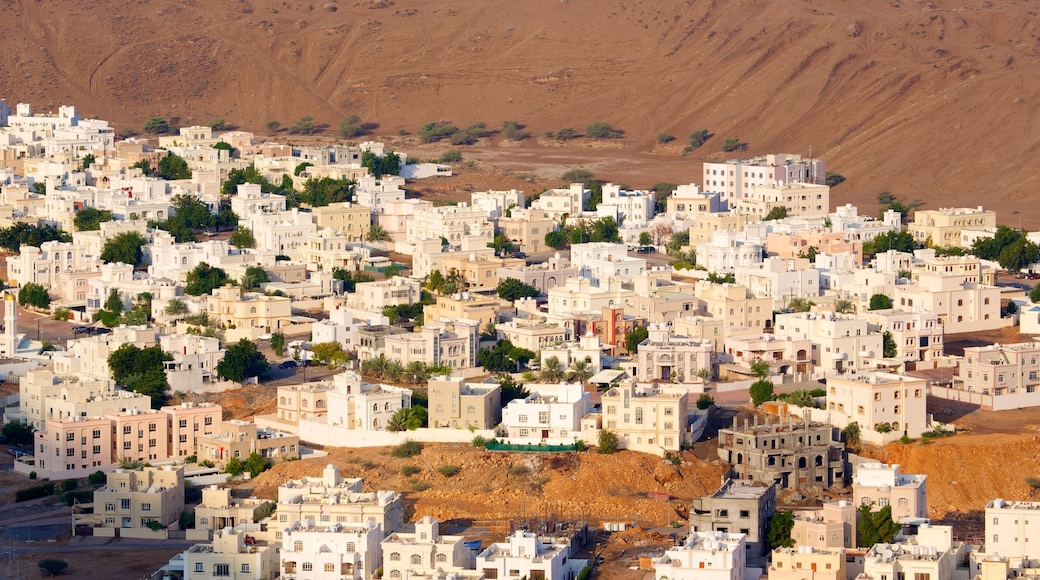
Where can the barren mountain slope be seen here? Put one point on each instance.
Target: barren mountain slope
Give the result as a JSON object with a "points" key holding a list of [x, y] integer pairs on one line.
{"points": [[928, 99]]}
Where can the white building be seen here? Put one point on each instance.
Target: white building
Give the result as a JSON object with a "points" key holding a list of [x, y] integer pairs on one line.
{"points": [[729, 250], [364, 406], [601, 261], [496, 203], [551, 413], [840, 343], [666, 357], [736, 177], [630, 208], [779, 279], [708, 555], [557, 202], [330, 550], [525, 555], [880, 485], [1010, 525], [885, 405], [450, 222], [424, 552]]}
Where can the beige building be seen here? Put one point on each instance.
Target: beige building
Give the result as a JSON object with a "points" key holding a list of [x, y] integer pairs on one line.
{"points": [[478, 270], [807, 563], [133, 498], [464, 305], [229, 307], [532, 336], [735, 305], [784, 355], [840, 343], [879, 485], [442, 342], [69, 448], [350, 220], [140, 435], [800, 199], [240, 439], [885, 405], [526, 229], [831, 527], [666, 357], [942, 227], [424, 552], [1000, 376], [45, 395], [235, 553], [220, 510], [958, 290], [331, 499], [918, 335], [455, 403], [306, 401], [708, 224], [650, 419]]}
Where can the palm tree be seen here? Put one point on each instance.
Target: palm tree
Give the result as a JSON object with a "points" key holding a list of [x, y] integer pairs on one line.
{"points": [[415, 372], [801, 304], [378, 233], [580, 371], [844, 306], [175, 307], [552, 370], [398, 422]]}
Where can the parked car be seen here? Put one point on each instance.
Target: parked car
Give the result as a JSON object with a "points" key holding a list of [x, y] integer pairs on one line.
{"points": [[266, 336], [102, 330], [519, 255], [289, 364], [80, 329]]}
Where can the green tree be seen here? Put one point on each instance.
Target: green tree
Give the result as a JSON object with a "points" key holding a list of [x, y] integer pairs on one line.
{"points": [[125, 248], [241, 361], [880, 302], [705, 400], [552, 370], [875, 527], [1018, 255], [834, 179], [203, 279], [663, 137], [156, 125], [1034, 294], [780, 526], [607, 442], [16, 433], [636, 336], [842, 306], [512, 130], [22, 234], [645, 239], [141, 370], [90, 218], [255, 464], [889, 345], [511, 390], [602, 130], [52, 566], [351, 127], [329, 353], [114, 302], [731, 144], [173, 167], [388, 164], [417, 418], [242, 237], [88, 160], [698, 137], [436, 131], [378, 233], [677, 242], [392, 270], [305, 126], [851, 433], [579, 371], [450, 156], [800, 304], [217, 124], [398, 421], [32, 294], [566, 133], [175, 307], [777, 213], [278, 343], [760, 369], [252, 279], [761, 391], [321, 192], [512, 289], [272, 125], [887, 201]]}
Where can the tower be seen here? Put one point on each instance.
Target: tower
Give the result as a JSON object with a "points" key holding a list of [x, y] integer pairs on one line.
{"points": [[9, 340]]}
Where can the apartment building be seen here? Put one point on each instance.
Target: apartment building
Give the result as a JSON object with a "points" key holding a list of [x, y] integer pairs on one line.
{"points": [[351, 220], [220, 510], [651, 419], [727, 250], [525, 555], [885, 405], [133, 498], [450, 222], [239, 439], [799, 199], [738, 508], [235, 552], [497, 204], [798, 244], [780, 279], [455, 403], [43, 264], [632, 208], [557, 202], [879, 485], [252, 312], [1010, 525], [688, 201], [942, 227], [532, 336], [249, 199], [394, 216], [478, 270], [46, 395], [333, 550], [932, 553], [735, 178], [549, 414], [526, 229], [306, 401], [69, 448], [424, 552], [918, 335], [140, 435], [734, 305], [601, 261], [999, 376], [707, 225], [705, 555], [331, 499], [958, 289], [795, 563], [283, 232], [443, 342], [378, 193], [475, 307], [792, 455], [785, 356], [578, 296], [188, 423], [831, 527], [543, 277], [663, 356], [840, 343], [357, 405]]}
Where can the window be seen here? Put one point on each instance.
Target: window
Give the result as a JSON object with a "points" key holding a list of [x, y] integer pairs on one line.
{"points": [[297, 546], [330, 567], [395, 557], [441, 558], [308, 567], [199, 567], [416, 559], [745, 513], [209, 420], [350, 547], [124, 503], [221, 570], [126, 429], [146, 507], [110, 507]]}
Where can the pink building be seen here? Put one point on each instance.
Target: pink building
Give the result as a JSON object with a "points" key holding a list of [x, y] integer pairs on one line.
{"points": [[71, 448], [883, 485], [797, 245], [188, 422], [141, 436], [395, 215], [833, 526]]}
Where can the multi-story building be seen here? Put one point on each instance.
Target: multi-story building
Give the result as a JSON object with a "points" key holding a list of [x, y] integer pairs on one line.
{"points": [[727, 250], [705, 555], [497, 204], [69, 448], [942, 227], [550, 413], [831, 527], [632, 208], [235, 552], [785, 356], [43, 264], [998, 376], [793, 564], [780, 279], [464, 305], [738, 508], [140, 435], [133, 498], [455, 403], [735, 306], [240, 439], [708, 224], [479, 271], [792, 455], [542, 277], [364, 406], [442, 342], [650, 419], [798, 244], [331, 499], [188, 423], [917, 334], [372, 297], [587, 349], [220, 510], [800, 200], [249, 199], [378, 193], [46, 395], [283, 232], [735, 178], [351, 220], [879, 485], [666, 357], [957, 289], [330, 550], [451, 222], [840, 343], [524, 555], [689, 201], [932, 553], [1010, 525], [306, 401], [194, 361], [886, 406], [424, 552], [526, 228], [557, 202], [251, 312], [601, 261], [533, 336]]}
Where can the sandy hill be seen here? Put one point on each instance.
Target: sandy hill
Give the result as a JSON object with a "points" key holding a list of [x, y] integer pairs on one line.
{"points": [[929, 99]]}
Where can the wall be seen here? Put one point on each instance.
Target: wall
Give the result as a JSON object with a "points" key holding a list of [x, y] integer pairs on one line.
{"points": [[987, 402], [322, 434]]}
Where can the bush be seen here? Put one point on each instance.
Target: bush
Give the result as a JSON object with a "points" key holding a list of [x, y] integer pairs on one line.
{"points": [[577, 176], [761, 391], [51, 566], [565, 134], [154, 525], [305, 126], [705, 401], [602, 130], [880, 302], [698, 137], [608, 442], [69, 484], [81, 496], [479, 441], [156, 126], [32, 475], [450, 156], [512, 130], [419, 485], [31, 294], [409, 470], [436, 131], [407, 449], [449, 470], [665, 138], [733, 144], [34, 492], [519, 470], [351, 127], [97, 478]]}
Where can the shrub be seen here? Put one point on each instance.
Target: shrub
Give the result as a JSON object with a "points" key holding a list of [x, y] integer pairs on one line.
{"points": [[880, 302], [733, 144], [436, 131], [602, 130], [34, 492], [705, 401], [519, 470], [608, 442], [565, 134], [154, 525], [665, 138], [577, 176], [697, 138], [449, 470], [479, 441], [1033, 482], [69, 484], [81, 496], [97, 478], [451, 156], [305, 126], [64, 313], [351, 127], [32, 475], [407, 449], [419, 485], [51, 566], [156, 126], [409, 470], [512, 130], [272, 125], [761, 391]]}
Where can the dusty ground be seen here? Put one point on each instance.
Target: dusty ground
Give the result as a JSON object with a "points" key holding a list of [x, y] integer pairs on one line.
{"points": [[94, 562], [904, 96]]}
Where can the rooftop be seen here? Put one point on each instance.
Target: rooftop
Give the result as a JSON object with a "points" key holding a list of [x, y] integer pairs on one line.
{"points": [[734, 490]]}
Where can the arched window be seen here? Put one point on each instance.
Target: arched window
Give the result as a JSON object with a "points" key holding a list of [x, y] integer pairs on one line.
{"points": [[442, 558], [395, 557], [903, 502], [416, 559], [319, 404], [304, 403], [375, 406], [395, 574]]}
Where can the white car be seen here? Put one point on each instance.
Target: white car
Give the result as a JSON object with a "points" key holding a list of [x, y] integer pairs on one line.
{"points": [[266, 336]]}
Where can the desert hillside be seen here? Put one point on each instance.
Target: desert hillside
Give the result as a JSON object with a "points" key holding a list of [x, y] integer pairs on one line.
{"points": [[928, 99]]}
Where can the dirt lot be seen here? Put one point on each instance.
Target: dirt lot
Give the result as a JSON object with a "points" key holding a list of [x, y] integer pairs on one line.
{"points": [[95, 562]]}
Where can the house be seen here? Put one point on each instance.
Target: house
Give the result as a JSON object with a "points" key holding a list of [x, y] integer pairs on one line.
{"points": [[1010, 525], [666, 357], [194, 361], [306, 401], [526, 228], [220, 510], [735, 178], [647, 418], [364, 406], [442, 342], [942, 227], [452, 223], [831, 527], [524, 555], [794, 563], [799, 199], [134, 498], [250, 313], [917, 334], [313, 499], [632, 208], [879, 485], [351, 220], [482, 309], [550, 413], [885, 405], [931, 553], [738, 508], [958, 290], [321, 551], [727, 250], [557, 202], [708, 555], [588, 349], [998, 376], [784, 355], [544, 276], [239, 439], [840, 342], [601, 261], [497, 204], [235, 552], [792, 455], [424, 552], [455, 403]]}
